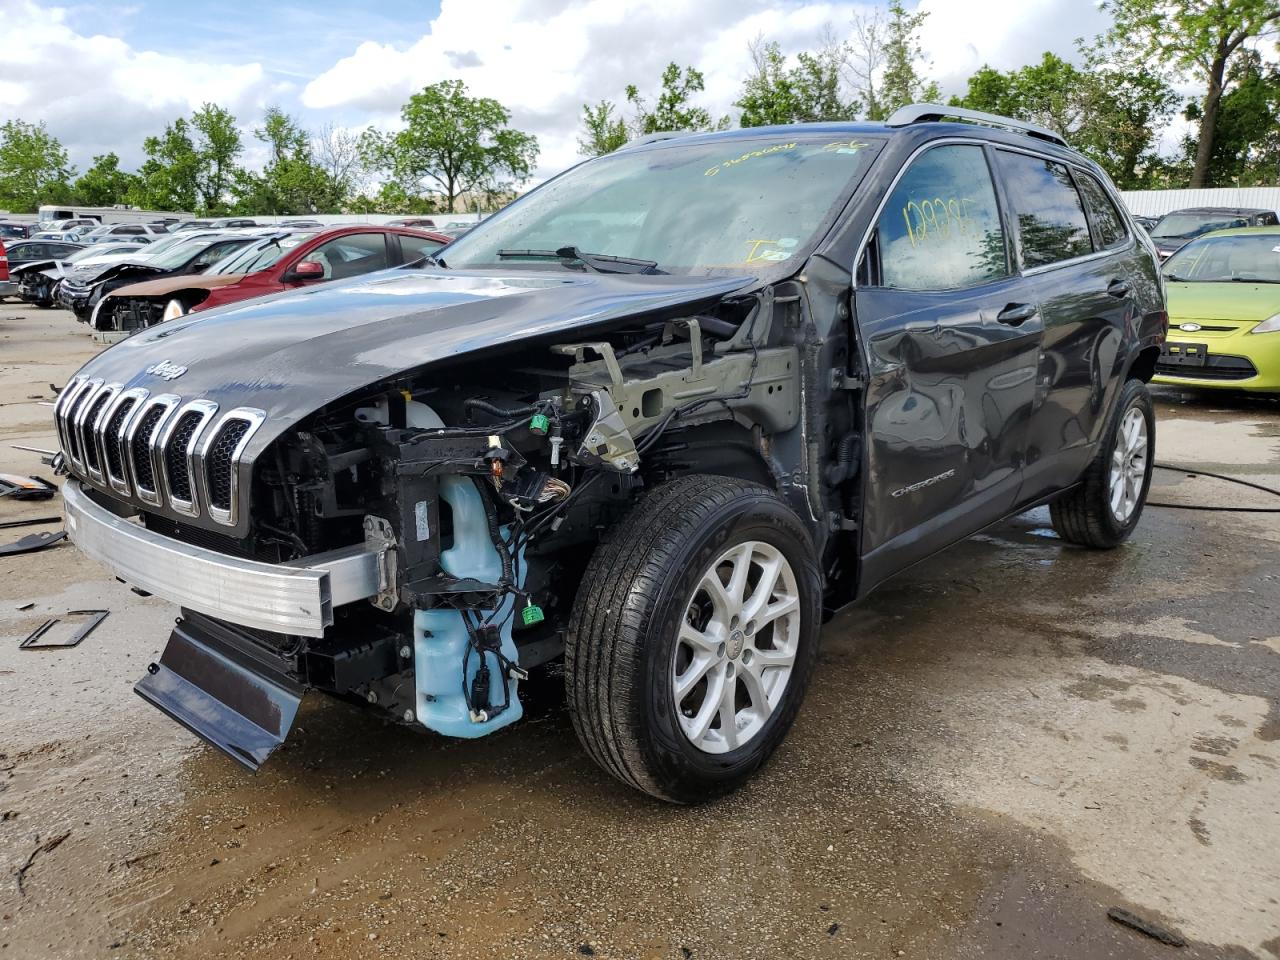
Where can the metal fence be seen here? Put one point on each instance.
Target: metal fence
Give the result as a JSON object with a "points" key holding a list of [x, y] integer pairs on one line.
{"points": [[1153, 203]]}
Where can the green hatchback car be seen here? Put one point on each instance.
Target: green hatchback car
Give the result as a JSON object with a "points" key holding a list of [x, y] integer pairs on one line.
{"points": [[1224, 312]]}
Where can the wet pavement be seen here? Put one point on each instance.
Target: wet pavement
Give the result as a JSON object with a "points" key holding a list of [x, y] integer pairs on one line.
{"points": [[999, 745]]}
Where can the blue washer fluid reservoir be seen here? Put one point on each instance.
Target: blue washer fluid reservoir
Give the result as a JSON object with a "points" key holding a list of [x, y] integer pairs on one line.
{"points": [[440, 637]]}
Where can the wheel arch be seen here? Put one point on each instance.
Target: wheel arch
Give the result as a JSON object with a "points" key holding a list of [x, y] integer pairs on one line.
{"points": [[723, 448], [1143, 365]]}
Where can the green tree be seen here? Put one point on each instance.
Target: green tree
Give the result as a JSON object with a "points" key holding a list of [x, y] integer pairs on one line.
{"points": [[169, 179], [34, 168], [1246, 144], [1202, 38], [453, 144], [673, 109], [104, 184], [1127, 105], [805, 93], [1109, 111], [605, 129], [217, 145], [903, 83], [291, 182]]}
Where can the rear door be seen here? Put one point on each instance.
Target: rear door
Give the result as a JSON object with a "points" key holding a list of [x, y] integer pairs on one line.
{"points": [[952, 342], [1079, 275]]}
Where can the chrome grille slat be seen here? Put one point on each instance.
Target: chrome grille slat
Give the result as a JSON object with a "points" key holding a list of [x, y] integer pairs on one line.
{"points": [[116, 420], [94, 423], [77, 410], [222, 451], [181, 456], [177, 461], [141, 438]]}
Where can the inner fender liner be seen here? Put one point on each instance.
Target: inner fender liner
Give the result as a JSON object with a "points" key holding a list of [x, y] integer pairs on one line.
{"points": [[221, 692]]}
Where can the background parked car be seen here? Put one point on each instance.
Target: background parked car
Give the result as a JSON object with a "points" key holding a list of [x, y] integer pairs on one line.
{"points": [[81, 289], [119, 231], [412, 222], [280, 262], [1176, 228], [22, 252], [9, 230], [38, 280], [28, 251], [1224, 312]]}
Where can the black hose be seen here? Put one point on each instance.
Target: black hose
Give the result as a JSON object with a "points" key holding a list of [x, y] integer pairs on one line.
{"points": [[484, 406], [495, 534], [1216, 476]]}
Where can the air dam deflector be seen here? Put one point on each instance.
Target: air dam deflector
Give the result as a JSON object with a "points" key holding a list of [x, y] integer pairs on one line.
{"points": [[230, 699]]}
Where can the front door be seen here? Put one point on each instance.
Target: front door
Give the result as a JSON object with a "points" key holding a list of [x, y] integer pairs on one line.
{"points": [[951, 343]]}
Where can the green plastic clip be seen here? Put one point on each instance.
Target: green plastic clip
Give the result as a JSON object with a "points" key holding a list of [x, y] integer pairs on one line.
{"points": [[531, 614], [539, 424]]}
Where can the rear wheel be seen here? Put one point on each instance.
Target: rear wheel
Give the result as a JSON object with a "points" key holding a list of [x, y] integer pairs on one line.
{"points": [[693, 637], [1103, 511]]}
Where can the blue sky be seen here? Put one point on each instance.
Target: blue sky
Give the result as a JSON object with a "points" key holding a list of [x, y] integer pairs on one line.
{"points": [[103, 77]]}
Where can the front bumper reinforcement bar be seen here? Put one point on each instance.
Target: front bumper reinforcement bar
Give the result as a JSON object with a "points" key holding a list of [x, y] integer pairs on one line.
{"points": [[294, 598]]}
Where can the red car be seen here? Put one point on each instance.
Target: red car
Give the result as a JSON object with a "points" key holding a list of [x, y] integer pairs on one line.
{"points": [[282, 261]]}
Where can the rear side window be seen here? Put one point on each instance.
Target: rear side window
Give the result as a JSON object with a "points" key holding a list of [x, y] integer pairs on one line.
{"points": [[1051, 221], [940, 229], [351, 255], [415, 248], [1107, 221]]}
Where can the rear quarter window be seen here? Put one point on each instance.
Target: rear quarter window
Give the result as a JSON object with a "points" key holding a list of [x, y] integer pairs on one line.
{"points": [[1052, 226], [1107, 221]]}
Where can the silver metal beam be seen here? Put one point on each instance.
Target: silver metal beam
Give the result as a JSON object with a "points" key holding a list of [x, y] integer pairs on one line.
{"points": [[296, 598]]}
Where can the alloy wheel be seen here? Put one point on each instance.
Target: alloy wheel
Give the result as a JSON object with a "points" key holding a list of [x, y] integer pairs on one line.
{"points": [[737, 647], [1128, 465]]}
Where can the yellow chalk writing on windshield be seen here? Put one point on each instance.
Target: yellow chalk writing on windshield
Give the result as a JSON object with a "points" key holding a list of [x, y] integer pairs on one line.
{"points": [[750, 155]]}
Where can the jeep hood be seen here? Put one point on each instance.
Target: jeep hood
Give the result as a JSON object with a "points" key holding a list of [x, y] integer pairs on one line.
{"points": [[291, 353]]}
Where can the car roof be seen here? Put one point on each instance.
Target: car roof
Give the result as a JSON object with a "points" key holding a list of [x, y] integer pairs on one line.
{"points": [[999, 130], [1243, 211]]}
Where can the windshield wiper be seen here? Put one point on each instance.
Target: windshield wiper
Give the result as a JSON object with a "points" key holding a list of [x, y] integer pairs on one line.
{"points": [[1252, 280], [595, 262]]}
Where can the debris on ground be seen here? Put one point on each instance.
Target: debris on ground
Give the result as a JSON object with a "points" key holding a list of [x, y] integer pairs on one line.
{"points": [[30, 522], [26, 488], [47, 847], [1153, 930], [36, 642], [31, 543]]}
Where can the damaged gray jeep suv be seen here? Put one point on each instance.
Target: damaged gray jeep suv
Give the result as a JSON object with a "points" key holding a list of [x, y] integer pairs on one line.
{"points": [[654, 419]]}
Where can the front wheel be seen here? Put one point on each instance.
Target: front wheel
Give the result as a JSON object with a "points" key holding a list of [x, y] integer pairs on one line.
{"points": [[1104, 509], [693, 637]]}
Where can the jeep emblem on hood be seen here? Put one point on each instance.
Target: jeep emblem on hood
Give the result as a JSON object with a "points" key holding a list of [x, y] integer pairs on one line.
{"points": [[170, 371]]}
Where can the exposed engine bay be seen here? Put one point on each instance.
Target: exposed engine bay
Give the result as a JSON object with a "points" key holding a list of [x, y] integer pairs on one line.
{"points": [[484, 498]]}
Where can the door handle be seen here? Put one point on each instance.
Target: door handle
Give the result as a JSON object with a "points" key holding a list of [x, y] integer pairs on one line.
{"points": [[1016, 314], [1118, 289]]}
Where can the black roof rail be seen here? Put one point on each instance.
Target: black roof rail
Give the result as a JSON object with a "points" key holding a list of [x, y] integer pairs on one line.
{"points": [[655, 138], [928, 112]]}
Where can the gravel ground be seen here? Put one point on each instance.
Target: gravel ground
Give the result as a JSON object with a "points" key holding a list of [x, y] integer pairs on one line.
{"points": [[999, 745]]}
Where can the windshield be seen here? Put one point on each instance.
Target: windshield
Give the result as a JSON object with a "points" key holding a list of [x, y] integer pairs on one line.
{"points": [[1180, 226], [102, 250], [719, 206], [1241, 256], [259, 256]]}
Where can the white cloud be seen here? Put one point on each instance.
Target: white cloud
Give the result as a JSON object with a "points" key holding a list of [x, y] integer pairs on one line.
{"points": [[543, 59], [98, 94]]}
